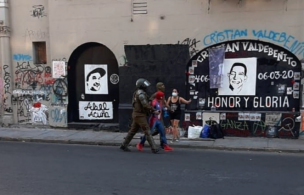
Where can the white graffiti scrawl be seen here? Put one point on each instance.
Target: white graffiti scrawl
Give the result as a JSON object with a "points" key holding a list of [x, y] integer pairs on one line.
{"points": [[39, 115]]}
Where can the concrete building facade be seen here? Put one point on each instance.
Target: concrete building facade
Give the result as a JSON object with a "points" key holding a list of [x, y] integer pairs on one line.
{"points": [[50, 48]]}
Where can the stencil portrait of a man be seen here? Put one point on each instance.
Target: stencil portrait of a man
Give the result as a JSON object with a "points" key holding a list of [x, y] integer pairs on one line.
{"points": [[96, 79], [239, 77]]}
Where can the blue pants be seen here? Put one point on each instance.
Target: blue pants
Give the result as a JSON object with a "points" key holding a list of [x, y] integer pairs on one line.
{"points": [[161, 129]]}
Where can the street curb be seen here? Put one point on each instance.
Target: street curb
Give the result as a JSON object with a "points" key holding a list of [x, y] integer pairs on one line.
{"points": [[104, 143], [58, 141]]}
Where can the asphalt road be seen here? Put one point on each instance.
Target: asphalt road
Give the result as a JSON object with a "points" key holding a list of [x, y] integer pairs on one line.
{"points": [[56, 169]]}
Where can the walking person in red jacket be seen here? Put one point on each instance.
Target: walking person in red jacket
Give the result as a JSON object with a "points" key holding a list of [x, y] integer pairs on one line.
{"points": [[155, 122]]}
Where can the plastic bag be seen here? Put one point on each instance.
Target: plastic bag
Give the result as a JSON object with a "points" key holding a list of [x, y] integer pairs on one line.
{"points": [[205, 131], [181, 132], [194, 132]]}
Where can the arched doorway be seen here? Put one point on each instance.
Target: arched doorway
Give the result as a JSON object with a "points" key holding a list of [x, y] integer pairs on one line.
{"points": [[250, 87], [93, 85]]}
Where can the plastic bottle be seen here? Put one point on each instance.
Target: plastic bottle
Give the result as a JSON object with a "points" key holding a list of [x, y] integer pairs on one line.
{"points": [[165, 110]]}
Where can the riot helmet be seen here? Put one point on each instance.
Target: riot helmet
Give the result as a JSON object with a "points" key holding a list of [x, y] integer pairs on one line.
{"points": [[142, 83]]}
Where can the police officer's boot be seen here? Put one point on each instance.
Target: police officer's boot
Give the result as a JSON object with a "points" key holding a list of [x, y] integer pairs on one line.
{"points": [[152, 143], [124, 145]]}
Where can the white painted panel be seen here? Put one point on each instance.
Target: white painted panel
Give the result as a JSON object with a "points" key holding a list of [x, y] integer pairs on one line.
{"points": [[96, 79], [95, 110], [239, 77], [58, 69]]}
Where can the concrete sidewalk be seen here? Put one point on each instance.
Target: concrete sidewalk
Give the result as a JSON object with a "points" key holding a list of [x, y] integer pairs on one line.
{"points": [[90, 137]]}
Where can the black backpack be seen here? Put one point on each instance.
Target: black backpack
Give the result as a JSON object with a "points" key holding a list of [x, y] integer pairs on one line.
{"points": [[216, 131]]}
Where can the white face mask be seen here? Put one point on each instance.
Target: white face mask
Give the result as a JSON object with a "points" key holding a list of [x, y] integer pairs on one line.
{"points": [[174, 94]]}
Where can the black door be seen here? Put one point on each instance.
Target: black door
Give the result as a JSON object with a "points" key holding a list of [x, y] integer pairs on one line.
{"points": [[93, 85]]}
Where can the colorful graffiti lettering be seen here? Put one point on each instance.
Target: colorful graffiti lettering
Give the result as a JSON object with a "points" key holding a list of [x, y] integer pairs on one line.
{"points": [[58, 115], [32, 75], [22, 57], [232, 124], [28, 74], [287, 41]]}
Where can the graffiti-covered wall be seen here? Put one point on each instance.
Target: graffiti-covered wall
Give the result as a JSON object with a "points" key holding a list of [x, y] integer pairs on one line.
{"points": [[258, 81], [39, 88], [165, 22], [254, 76], [244, 124]]}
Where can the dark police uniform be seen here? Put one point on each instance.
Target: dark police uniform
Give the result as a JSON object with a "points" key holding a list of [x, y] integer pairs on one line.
{"points": [[141, 109]]}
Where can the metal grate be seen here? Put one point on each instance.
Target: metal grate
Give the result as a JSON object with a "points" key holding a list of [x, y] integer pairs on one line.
{"points": [[140, 8]]}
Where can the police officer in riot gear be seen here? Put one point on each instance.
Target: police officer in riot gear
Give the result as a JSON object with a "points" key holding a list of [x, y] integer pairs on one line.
{"points": [[141, 109]]}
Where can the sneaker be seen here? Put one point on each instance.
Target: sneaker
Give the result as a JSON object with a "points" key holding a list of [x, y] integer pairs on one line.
{"points": [[167, 148], [139, 147], [125, 148], [173, 140]]}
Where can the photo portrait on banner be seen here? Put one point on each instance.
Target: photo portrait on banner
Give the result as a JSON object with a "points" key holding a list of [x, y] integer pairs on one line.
{"points": [[96, 79], [239, 77]]}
